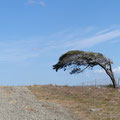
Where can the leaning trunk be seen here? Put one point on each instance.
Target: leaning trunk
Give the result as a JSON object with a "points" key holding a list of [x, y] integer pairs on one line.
{"points": [[111, 75], [108, 70]]}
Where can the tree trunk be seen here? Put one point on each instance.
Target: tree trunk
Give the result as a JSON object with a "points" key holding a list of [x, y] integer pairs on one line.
{"points": [[108, 70], [111, 75]]}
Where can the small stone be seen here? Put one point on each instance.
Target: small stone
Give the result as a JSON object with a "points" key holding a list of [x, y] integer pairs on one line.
{"points": [[118, 90], [13, 102], [93, 110], [98, 87]]}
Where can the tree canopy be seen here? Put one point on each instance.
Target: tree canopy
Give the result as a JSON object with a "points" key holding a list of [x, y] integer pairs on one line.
{"points": [[78, 61]]}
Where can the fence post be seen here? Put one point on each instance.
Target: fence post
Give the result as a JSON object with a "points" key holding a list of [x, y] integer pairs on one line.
{"points": [[95, 83], [118, 81], [82, 84]]}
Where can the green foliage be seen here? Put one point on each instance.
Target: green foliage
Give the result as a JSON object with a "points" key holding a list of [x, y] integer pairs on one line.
{"points": [[110, 86], [77, 52], [78, 61], [69, 53]]}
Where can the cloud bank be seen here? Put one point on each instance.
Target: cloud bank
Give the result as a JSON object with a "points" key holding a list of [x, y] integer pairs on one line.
{"points": [[57, 43], [81, 39]]}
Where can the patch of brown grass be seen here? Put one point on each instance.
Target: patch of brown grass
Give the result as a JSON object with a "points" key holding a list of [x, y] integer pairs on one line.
{"points": [[80, 100]]}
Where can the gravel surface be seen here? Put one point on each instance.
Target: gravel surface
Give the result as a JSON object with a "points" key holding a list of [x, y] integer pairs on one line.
{"points": [[18, 103]]}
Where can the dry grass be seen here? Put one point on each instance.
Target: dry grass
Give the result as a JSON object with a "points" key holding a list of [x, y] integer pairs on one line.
{"points": [[80, 100]]}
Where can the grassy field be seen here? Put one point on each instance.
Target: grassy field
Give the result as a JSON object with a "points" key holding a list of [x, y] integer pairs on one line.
{"points": [[88, 103]]}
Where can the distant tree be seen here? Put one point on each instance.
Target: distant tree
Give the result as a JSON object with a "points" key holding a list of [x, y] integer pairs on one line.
{"points": [[78, 61]]}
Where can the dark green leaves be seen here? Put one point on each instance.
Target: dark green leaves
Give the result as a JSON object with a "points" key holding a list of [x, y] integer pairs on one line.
{"points": [[79, 59]]}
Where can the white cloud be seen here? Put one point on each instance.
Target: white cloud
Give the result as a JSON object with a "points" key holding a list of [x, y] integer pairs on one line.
{"points": [[39, 2], [11, 51], [115, 42], [103, 31], [75, 40], [54, 44], [99, 71], [96, 39], [115, 70]]}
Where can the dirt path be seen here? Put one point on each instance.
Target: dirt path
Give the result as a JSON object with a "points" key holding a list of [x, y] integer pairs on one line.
{"points": [[18, 103]]}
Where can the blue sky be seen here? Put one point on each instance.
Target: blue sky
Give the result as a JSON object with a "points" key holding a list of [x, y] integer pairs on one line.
{"points": [[34, 33]]}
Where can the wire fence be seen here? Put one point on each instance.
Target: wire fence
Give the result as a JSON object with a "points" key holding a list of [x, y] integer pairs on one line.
{"points": [[95, 82], [98, 82]]}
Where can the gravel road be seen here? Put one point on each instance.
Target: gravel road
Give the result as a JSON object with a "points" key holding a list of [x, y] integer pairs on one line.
{"points": [[18, 103]]}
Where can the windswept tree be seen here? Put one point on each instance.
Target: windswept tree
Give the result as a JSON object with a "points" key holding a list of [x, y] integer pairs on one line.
{"points": [[78, 61]]}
